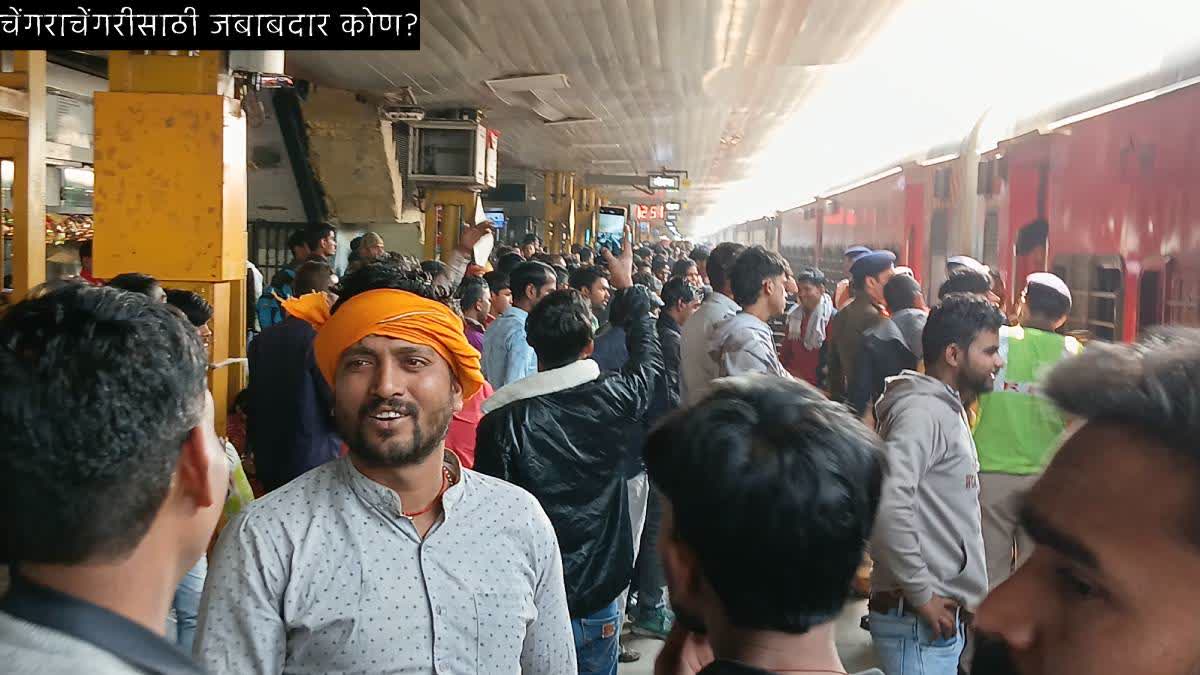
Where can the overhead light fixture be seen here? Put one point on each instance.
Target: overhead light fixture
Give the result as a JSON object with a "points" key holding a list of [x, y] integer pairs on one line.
{"points": [[571, 120], [528, 83], [596, 146]]}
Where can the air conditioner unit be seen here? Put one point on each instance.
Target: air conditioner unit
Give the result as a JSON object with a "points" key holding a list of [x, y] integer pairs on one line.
{"points": [[402, 113], [452, 152]]}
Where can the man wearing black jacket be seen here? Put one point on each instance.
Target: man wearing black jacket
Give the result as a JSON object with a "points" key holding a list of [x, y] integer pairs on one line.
{"points": [[552, 434]]}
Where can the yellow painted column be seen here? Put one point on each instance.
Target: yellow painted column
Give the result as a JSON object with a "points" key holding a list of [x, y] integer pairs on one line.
{"points": [[170, 199], [23, 140], [446, 209], [559, 204], [586, 205]]}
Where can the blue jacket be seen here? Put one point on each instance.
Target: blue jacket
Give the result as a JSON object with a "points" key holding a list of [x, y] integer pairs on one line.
{"points": [[507, 356], [288, 425]]}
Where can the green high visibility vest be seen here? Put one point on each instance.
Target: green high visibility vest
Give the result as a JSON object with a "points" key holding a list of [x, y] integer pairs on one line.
{"points": [[1017, 427]]}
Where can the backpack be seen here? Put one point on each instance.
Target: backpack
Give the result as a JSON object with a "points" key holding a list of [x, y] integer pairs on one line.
{"points": [[269, 307]]}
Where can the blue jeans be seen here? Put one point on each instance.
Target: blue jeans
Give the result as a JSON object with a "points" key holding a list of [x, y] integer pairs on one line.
{"points": [[187, 604], [907, 646], [597, 644]]}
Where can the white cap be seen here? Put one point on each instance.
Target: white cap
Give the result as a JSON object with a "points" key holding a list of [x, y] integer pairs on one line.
{"points": [[1050, 281], [968, 262]]}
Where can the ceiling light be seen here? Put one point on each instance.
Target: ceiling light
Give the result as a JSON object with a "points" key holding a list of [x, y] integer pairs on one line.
{"points": [[596, 146], [529, 83], [572, 120]]}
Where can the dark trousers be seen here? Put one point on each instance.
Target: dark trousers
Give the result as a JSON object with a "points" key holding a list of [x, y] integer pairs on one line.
{"points": [[648, 577]]}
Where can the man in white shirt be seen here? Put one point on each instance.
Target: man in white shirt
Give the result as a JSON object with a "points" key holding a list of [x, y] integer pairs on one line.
{"points": [[394, 558], [697, 366]]}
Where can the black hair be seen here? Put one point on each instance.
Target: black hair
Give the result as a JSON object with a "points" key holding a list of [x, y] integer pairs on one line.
{"points": [[377, 275], [584, 277], [811, 275], [559, 328], [508, 262], [965, 280], [586, 252], [958, 320], [648, 280], [355, 242], [1151, 385], [101, 387], [296, 238], [720, 263], [313, 234], [1046, 302], [770, 465], [433, 268], [496, 281], [192, 304], [134, 282], [561, 276], [678, 290], [901, 293], [700, 254], [682, 266], [471, 291], [751, 268], [658, 263], [530, 239], [85, 249], [532, 273], [313, 275]]}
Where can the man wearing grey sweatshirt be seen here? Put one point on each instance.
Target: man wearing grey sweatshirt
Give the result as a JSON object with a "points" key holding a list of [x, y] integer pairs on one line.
{"points": [[930, 571], [744, 344]]}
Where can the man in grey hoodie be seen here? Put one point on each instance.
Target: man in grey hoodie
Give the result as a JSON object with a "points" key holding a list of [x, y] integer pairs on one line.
{"points": [[745, 344], [930, 570]]}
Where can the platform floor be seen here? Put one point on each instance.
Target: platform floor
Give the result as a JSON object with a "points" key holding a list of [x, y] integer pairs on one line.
{"points": [[854, 645]]}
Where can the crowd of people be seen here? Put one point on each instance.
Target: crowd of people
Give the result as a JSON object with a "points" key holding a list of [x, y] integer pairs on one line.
{"points": [[504, 465]]}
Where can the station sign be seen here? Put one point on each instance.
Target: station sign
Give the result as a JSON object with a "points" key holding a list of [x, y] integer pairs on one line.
{"points": [[648, 211], [660, 181], [672, 217], [673, 206]]}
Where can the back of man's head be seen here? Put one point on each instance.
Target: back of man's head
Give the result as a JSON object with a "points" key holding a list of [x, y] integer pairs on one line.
{"points": [[771, 466], [296, 239], [754, 266], [135, 282], [676, 291], [682, 267], [193, 305], [313, 276], [533, 273], [508, 262], [1047, 303], [901, 293], [584, 277], [471, 291], [496, 280], [957, 320], [700, 254], [965, 280], [559, 329], [102, 389], [720, 263]]}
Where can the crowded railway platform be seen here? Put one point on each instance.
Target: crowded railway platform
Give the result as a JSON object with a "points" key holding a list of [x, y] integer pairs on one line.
{"points": [[488, 357]]}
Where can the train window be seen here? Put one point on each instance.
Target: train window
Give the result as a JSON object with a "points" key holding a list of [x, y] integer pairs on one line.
{"points": [[1183, 296], [1150, 294], [1096, 284], [991, 238], [941, 183]]}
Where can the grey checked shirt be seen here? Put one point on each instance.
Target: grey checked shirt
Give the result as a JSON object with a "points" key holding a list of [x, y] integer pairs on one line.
{"points": [[325, 575]]}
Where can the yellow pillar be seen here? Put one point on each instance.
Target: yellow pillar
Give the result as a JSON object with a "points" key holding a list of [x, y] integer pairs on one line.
{"points": [[446, 209], [587, 201], [560, 204], [23, 140], [170, 198]]}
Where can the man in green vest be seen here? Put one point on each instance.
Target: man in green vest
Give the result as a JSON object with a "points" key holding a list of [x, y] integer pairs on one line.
{"points": [[1017, 427]]}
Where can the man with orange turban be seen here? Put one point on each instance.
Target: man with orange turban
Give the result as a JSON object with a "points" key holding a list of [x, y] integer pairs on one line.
{"points": [[395, 557]]}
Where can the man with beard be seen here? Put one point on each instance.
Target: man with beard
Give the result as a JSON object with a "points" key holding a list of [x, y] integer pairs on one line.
{"points": [[761, 465], [927, 544], [393, 558], [1110, 587]]}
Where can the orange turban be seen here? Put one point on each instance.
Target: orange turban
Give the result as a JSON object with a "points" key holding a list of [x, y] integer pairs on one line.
{"points": [[390, 313]]}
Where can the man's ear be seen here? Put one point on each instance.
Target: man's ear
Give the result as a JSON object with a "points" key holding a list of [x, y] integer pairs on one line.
{"points": [[195, 470], [456, 393], [954, 355]]}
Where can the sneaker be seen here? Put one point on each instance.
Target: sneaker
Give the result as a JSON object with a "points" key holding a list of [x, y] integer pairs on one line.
{"points": [[628, 655], [656, 625]]}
